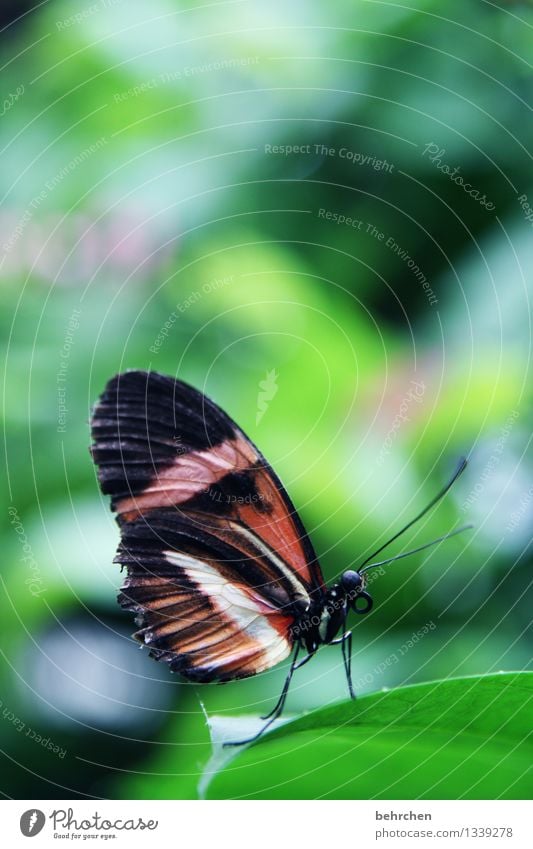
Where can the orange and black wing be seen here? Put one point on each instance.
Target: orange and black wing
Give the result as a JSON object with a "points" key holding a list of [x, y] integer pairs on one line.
{"points": [[219, 564]]}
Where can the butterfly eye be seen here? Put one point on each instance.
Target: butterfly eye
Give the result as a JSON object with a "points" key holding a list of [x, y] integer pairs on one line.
{"points": [[367, 605], [351, 581]]}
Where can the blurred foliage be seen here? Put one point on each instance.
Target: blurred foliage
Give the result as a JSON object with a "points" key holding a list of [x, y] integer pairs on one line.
{"points": [[140, 182]]}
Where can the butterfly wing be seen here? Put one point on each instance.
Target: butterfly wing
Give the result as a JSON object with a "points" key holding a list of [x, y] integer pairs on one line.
{"points": [[219, 564]]}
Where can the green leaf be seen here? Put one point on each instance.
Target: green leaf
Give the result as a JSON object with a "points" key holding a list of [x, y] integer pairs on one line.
{"points": [[458, 738]]}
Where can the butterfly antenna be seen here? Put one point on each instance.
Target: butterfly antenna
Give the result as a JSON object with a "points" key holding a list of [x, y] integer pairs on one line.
{"points": [[416, 550], [460, 469]]}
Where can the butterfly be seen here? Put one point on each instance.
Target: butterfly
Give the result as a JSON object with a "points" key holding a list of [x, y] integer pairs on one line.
{"points": [[221, 574]]}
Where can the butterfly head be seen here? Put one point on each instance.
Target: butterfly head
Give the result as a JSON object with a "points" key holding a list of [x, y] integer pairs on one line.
{"points": [[353, 584]]}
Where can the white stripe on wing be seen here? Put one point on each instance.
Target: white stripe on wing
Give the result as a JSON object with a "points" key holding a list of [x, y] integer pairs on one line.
{"points": [[235, 604]]}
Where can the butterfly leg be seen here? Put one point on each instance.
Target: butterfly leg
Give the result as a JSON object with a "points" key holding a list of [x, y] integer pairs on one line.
{"points": [[281, 701], [282, 698], [278, 709], [346, 644], [304, 660]]}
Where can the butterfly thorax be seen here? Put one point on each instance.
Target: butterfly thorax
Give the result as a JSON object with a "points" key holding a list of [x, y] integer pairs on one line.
{"points": [[326, 616], [321, 623]]}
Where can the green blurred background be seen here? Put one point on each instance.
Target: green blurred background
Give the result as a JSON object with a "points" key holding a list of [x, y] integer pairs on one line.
{"points": [[264, 200]]}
